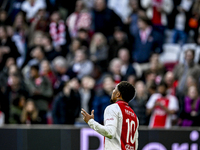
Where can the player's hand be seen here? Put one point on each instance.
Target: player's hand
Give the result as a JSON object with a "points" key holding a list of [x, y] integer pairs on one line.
{"points": [[86, 116]]}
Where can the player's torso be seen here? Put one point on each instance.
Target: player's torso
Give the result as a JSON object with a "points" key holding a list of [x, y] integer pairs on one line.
{"points": [[126, 135]]}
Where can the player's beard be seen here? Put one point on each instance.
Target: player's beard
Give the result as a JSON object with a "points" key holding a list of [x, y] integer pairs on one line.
{"points": [[112, 101]]}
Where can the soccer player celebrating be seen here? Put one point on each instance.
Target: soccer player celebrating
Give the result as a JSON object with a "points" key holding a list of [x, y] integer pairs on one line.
{"points": [[120, 122]]}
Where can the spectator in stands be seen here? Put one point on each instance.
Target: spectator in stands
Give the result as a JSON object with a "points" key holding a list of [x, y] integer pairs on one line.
{"points": [[133, 18], [37, 54], [14, 89], [35, 40], [157, 11], [5, 73], [50, 52], [47, 72], [104, 19], [99, 50], [31, 7], [87, 94], [40, 91], [118, 41], [171, 83], [190, 114], [66, 106], [138, 104], [63, 73], [132, 79], [80, 19], [188, 68], [16, 109], [74, 46], [181, 22], [57, 30], [7, 47], [156, 67], [102, 100], [195, 18], [4, 17], [126, 68], [115, 69], [82, 66], [30, 114], [146, 42], [40, 22], [84, 36], [161, 106], [19, 36]]}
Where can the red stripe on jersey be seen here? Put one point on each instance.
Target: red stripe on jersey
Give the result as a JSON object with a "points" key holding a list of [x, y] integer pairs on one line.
{"points": [[129, 126]]}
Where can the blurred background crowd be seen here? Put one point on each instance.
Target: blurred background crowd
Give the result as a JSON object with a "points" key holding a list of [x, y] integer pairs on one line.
{"points": [[58, 56]]}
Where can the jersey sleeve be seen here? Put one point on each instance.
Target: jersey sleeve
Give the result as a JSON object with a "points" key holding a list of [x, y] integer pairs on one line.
{"points": [[151, 101], [173, 105], [110, 121]]}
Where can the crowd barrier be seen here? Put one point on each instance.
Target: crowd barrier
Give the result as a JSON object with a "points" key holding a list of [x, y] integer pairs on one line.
{"points": [[62, 137]]}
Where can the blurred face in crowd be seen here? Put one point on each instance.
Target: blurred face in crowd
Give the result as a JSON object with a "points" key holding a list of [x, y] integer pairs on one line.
{"points": [[19, 20], [141, 24], [34, 73], [131, 79], [79, 6], [100, 5], [133, 4], [169, 78], [75, 44], [87, 82], [83, 35], [189, 56], [140, 88], [79, 56], [46, 41], [13, 80], [193, 92], [74, 83], [37, 53], [3, 16], [119, 35], [12, 70], [10, 31], [190, 81], [3, 33], [124, 55], [108, 85], [30, 106], [115, 66], [45, 67], [162, 90], [55, 17], [99, 39], [10, 61], [38, 38]]}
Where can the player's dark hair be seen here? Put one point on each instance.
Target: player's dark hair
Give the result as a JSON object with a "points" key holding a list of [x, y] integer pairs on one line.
{"points": [[127, 90]]}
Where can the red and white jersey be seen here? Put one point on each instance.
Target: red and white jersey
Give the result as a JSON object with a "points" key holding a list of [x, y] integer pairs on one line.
{"points": [[159, 117], [120, 127]]}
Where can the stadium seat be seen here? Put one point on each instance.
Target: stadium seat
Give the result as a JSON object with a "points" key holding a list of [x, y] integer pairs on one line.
{"points": [[170, 55]]}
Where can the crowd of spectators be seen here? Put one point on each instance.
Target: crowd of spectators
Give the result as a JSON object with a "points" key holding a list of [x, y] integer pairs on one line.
{"points": [[58, 56]]}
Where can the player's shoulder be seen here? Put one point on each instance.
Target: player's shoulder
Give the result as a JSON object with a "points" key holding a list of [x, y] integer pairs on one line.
{"points": [[113, 107]]}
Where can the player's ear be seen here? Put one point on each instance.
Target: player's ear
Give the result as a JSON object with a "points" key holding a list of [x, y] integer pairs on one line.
{"points": [[118, 94]]}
